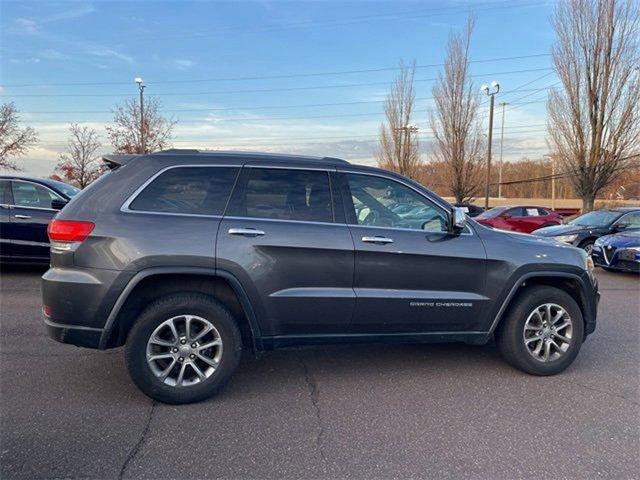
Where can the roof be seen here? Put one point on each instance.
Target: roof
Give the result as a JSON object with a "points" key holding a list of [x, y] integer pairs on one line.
{"points": [[120, 159], [56, 185], [623, 209]]}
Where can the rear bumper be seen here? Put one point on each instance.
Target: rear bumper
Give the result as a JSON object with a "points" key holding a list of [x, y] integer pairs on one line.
{"points": [[74, 335], [78, 302]]}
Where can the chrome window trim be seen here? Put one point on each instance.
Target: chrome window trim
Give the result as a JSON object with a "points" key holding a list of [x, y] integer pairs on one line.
{"points": [[427, 232], [125, 206], [11, 180], [467, 231], [258, 219]]}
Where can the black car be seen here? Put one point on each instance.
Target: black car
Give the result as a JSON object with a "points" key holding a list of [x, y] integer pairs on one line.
{"points": [[583, 231], [27, 204], [187, 257]]}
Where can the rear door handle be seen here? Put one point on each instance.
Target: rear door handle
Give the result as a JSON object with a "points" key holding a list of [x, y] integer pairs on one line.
{"points": [[22, 217], [247, 232], [379, 240]]}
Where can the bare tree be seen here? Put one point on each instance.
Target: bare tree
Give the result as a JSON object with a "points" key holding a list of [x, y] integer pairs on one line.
{"points": [[458, 143], [125, 132], [594, 122], [80, 164], [14, 141], [398, 149]]}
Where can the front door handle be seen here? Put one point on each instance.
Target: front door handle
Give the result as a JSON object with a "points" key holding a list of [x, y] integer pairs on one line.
{"points": [[247, 232], [22, 217], [377, 239]]}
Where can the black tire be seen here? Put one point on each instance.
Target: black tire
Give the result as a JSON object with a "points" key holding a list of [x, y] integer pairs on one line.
{"points": [[587, 245], [172, 306], [510, 332]]}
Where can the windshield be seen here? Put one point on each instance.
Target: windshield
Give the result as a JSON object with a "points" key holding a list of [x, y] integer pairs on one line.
{"points": [[492, 213], [598, 218]]}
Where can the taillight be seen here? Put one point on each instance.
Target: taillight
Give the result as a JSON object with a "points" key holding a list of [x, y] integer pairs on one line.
{"points": [[69, 230]]}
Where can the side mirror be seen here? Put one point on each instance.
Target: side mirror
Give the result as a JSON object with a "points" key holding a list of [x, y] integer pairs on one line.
{"points": [[58, 203], [506, 216], [458, 219]]}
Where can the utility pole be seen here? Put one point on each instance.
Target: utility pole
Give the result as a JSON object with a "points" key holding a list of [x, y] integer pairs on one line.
{"points": [[491, 92], [504, 104], [407, 130], [141, 86], [553, 180]]}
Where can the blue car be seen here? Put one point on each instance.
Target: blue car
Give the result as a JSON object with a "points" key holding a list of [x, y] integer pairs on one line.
{"points": [[618, 252], [27, 204]]}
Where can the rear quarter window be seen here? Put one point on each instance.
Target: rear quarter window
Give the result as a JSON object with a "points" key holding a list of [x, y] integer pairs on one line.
{"points": [[188, 190]]}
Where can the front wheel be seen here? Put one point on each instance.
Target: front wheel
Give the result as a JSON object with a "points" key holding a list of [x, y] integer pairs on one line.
{"points": [[587, 246], [183, 348], [542, 332]]}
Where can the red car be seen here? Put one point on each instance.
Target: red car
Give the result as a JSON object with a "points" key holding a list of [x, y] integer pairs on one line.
{"points": [[519, 219]]}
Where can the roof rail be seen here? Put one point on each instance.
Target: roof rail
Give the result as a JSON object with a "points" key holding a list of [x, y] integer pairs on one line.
{"points": [[180, 150], [337, 160]]}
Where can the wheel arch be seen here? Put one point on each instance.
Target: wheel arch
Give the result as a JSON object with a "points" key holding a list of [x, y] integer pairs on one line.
{"points": [[150, 284], [570, 283]]}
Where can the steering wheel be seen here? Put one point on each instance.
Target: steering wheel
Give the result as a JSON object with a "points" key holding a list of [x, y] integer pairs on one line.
{"points": [[377, 219]]}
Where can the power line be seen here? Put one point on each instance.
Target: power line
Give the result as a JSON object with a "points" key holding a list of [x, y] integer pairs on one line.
{"points": [[313, 138], [268, 77], [265, 90], [262, 107], [252, 119]]}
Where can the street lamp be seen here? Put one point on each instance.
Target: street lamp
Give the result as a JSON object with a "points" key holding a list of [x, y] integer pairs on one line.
{"points": [[141, 86], [491, 92]]}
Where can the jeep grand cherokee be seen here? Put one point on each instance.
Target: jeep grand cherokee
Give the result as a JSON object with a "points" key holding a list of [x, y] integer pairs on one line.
{"points": [[188, 257]]}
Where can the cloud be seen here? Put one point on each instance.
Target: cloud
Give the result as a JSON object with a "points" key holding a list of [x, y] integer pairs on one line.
{"points": [[51, 54], [107, 52], [26, 26], [70, 13], [183, 64], [24, 60]]}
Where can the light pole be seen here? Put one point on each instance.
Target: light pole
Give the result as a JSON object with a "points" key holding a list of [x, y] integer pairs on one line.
{"points": [[491, 92], [141, 86], [504, 104]]}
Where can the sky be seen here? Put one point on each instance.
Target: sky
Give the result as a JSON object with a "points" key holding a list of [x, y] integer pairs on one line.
{"points": [[280, 76]]}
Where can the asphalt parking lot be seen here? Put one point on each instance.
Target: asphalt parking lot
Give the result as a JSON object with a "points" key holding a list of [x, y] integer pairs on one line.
{"points": [[444, 411]]}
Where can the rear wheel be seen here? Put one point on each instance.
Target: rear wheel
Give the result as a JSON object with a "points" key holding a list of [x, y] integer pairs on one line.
{"points": [[183, 348], [542, 332]]}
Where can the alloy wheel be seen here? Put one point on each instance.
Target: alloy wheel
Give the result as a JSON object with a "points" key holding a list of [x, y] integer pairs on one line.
{"points": [[548, 332], [184, 350]]}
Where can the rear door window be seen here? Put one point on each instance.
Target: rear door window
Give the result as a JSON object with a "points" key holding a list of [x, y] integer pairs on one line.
{"points": [[284, 194], [188, 190], [31, 195], [517, 212], [5, 192]]}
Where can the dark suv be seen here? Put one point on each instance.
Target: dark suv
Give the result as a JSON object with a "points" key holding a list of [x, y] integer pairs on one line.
{"points": [[187, 257]]}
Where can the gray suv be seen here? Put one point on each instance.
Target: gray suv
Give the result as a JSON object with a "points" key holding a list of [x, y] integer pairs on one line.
{"points": [[188, 257]]}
